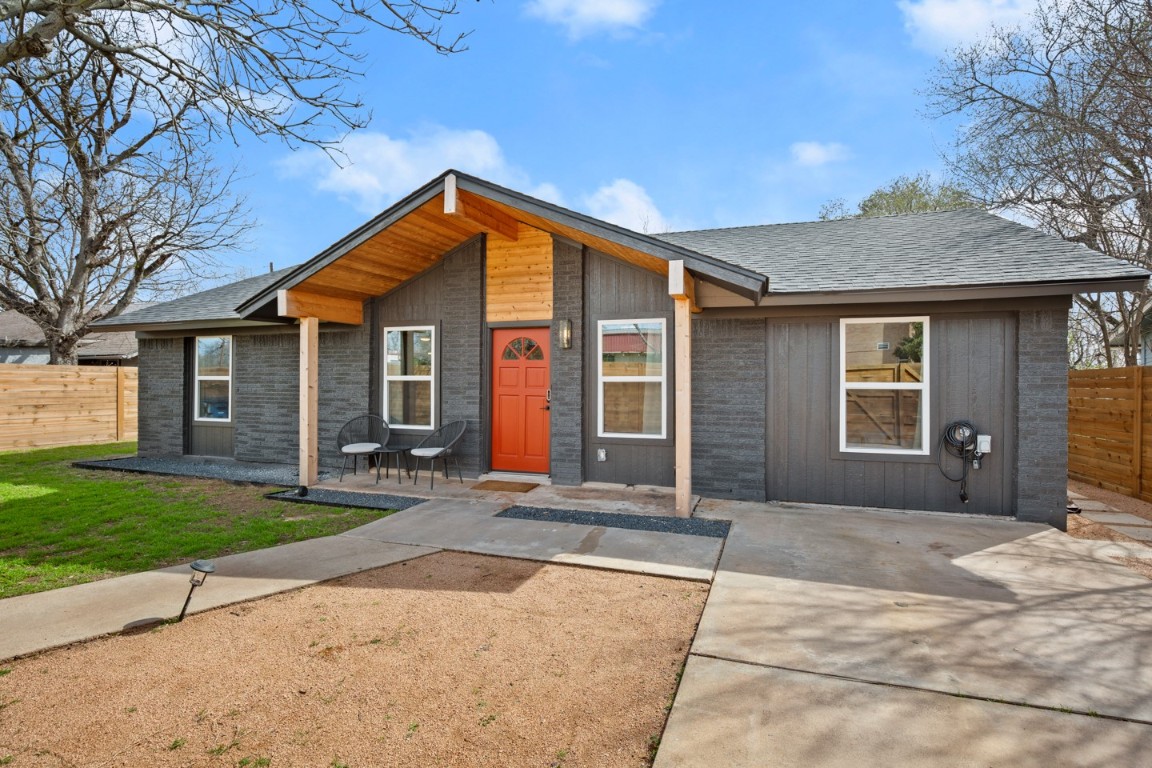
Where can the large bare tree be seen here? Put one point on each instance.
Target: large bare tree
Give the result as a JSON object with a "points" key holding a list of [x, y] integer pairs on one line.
{"points": [[107, 108], [1057, 126], [100, 198], [276, 67]]}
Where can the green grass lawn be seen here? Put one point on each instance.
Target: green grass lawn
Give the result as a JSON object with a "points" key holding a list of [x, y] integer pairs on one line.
{"points": [[60, 525]]}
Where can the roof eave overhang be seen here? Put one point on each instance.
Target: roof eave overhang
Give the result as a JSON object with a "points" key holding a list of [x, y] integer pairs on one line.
{"points": [[954, 293], [744, 282], [195, 325]]}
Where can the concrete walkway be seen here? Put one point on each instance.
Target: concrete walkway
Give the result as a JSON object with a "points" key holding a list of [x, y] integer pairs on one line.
{"points": [[849, 637], [45, 620]]}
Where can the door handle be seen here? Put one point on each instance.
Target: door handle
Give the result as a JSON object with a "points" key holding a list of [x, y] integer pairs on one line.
{"points": [[546, 408]]}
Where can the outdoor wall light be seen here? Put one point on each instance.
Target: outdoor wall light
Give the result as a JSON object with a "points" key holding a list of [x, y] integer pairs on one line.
{"points": [[564, 332], [200, 571]]}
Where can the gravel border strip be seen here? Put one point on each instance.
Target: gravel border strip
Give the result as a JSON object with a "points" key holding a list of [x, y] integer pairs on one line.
{"points": [[329, 498], [688, 526], [231, 471]]}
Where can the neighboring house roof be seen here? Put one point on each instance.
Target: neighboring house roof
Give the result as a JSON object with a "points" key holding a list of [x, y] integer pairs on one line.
{"points": [[945, 249], [17, 330], [217, 305]]}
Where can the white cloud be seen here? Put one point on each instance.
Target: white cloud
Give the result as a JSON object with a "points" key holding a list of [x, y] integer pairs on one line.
{"points": [[583, 17], [378, 169], [627, 204], [941, 25], [815, 153]]}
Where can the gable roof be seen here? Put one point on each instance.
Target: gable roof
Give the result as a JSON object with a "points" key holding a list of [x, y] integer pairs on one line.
{"points": [[215, 305], [940, 250], [421, 216], [941, 255]]}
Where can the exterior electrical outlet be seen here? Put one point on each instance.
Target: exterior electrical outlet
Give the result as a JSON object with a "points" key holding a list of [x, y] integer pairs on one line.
{"points": [[983, 443]]}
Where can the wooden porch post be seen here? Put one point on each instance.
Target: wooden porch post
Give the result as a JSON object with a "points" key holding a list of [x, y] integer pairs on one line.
{"points": [[680, 288], [309, 399], [310, 308]]}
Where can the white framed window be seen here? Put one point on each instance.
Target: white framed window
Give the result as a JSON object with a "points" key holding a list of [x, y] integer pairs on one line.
{"points": [[884, 385], [214, 378], [632, 378], [410, 376]]}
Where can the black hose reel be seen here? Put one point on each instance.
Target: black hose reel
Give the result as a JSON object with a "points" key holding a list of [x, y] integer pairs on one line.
{"points": [[959, 440]]}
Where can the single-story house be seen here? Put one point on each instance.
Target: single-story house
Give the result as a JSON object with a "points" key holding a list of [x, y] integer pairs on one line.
{"points": [[815, 362], [22, 341]]}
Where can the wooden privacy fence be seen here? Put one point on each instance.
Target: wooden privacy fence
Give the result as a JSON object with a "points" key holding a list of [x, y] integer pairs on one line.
{"points": [[47, 405], [1110, 429]]}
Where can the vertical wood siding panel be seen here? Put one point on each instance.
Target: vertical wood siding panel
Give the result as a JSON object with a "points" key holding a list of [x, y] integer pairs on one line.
{"points": [[618, 290], [973, 378]]}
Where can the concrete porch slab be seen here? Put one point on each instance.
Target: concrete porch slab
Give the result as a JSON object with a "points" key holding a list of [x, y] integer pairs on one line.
{"points": [[743, 716], [986, 608], [470, 526]]}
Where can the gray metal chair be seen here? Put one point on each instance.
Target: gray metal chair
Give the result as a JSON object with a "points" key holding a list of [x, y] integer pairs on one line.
{"points": [[363, 436], [438, 445]]}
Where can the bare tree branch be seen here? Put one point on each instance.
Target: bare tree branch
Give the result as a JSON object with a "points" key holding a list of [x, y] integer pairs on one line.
{"points": [[105, 201], [1059, 128], [271, 67]]}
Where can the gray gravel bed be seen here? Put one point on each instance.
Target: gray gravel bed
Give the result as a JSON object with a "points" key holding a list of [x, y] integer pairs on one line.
{"points": [[233, 471], [690, 526], [330, 498]]}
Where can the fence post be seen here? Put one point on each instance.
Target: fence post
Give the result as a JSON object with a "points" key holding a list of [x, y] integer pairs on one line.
{"points": [[1138, 431], [119, 403]]}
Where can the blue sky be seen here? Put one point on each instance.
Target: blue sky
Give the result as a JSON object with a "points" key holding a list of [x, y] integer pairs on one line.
{"points": [[654, 114]]}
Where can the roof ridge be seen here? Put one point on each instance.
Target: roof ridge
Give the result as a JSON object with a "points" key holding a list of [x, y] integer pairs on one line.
{"points": [[906, 214]]}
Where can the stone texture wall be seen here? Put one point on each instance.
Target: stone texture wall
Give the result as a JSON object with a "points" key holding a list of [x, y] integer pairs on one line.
{"points": [[267, 392], [728, 408], [161, 403], [462, 349], [344, 374], [1042, 417], [265, 389], [567, 445]]}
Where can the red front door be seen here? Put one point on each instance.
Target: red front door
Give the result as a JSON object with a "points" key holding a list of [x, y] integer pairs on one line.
{"points": [[520, 409]]}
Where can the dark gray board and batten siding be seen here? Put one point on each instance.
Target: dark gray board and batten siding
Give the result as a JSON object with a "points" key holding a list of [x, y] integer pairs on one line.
{"points": [[615, 290], [971, 377]]}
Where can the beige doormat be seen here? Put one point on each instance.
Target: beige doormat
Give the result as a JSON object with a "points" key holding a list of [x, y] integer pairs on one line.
{"points": [[504, 485]]}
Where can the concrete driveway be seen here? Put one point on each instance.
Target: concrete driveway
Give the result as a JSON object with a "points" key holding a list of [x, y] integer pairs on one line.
{"points": [[849, 637]]}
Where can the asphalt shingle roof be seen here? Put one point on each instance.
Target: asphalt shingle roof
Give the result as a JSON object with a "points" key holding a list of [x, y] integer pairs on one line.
{"points": [[17, 330], [213, 304], [947, 249], [923, 250]]}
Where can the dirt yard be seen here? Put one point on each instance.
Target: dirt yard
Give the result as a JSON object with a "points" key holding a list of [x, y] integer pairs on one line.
{"points": [[447, 660], [1083, 528]]}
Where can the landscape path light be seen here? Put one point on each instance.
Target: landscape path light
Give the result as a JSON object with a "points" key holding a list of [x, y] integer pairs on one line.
{"points": [[200, 571]]}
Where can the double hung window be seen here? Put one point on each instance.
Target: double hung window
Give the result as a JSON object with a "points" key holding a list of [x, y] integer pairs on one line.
{"points": [[213, 378], [884, 385], [410, 376], [632, 378]]}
